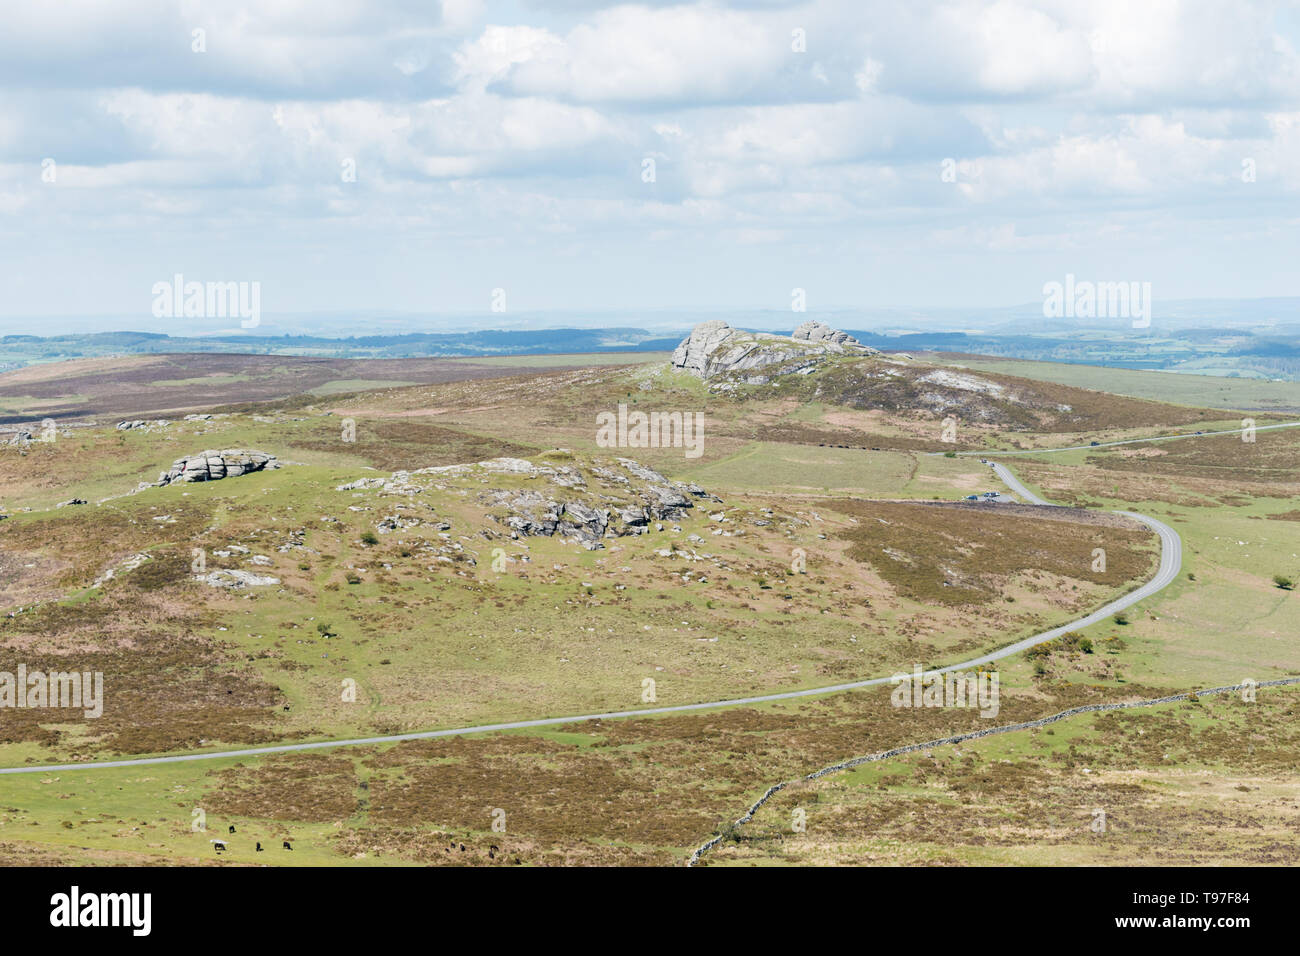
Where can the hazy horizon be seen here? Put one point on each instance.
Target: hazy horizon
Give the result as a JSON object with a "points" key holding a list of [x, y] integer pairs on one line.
{"points": [[1245, 312]]}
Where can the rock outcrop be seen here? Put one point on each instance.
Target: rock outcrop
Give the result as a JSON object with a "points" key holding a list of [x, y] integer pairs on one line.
{"points": [[814, 331], [585, 502], [630, 511], [214, 465], [715, 349]]}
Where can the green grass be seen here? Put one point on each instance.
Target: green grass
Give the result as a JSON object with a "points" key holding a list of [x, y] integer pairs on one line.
{"points": [[201, 380], [340, 386], [1179, 388]]}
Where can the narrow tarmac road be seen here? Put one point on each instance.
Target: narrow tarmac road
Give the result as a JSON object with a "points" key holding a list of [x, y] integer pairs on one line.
{"points": [[1170, 561]]}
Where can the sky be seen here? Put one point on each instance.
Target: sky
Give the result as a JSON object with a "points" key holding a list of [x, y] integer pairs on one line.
{"points": [[411, 156]]}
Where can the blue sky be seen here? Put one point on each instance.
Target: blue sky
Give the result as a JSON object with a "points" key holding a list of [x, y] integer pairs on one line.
{"points": [[503, 146]]}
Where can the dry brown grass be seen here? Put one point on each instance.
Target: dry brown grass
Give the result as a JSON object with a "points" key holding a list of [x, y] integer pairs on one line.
{"points": [[640, 792], [968, 554], [403, 444], [1174, 791]]}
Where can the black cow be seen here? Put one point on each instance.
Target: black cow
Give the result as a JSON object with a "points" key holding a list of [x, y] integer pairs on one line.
{"points": [[232, 828], [287, 846], [259, 848]]}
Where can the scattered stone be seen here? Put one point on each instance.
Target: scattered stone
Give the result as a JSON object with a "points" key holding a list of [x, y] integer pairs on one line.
{"points": [[130, 564]]}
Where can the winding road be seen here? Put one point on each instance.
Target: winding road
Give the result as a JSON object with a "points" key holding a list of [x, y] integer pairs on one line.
{"points": [[1171, 551]]}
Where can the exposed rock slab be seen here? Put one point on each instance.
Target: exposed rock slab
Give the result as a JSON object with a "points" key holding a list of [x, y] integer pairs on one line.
{"points": [[214, 465], [235, 578]]}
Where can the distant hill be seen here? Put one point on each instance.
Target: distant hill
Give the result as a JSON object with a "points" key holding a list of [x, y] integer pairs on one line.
{"points": [[19, 349]]}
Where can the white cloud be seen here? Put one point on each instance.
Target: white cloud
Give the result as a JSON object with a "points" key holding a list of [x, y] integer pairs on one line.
{"points": [[481, 121], [636, 55]]}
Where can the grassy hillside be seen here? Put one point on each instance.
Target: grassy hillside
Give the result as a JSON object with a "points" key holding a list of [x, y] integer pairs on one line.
{"points": [[838, 550]]}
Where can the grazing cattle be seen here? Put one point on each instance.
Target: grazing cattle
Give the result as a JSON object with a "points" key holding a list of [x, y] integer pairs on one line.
{"points": [[259, 848], [232, 828], [287, 846], [462, 848], [219, 845]]}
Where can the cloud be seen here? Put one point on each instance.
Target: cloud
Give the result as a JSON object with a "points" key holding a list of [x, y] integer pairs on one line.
{"points": [[773, 126], [239, 47], [633, 55]]}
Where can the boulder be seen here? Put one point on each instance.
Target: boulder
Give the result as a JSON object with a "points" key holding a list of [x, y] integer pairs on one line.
{"points": [[234, 578], [695, 351], [814, 331], [214, 465]]}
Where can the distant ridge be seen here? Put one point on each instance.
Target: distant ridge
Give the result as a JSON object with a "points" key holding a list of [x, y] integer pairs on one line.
{"points": [[407, 345]]}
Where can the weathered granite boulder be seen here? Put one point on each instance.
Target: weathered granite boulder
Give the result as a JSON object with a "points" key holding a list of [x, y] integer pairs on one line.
{"points": [[814, 331], [214, 465], [236, 579], [696, 350], [714, 348]]}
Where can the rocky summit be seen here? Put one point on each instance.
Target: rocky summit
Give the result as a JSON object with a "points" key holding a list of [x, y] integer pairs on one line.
{"points": [[714, 349], [214, 465], [814, 331]]}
